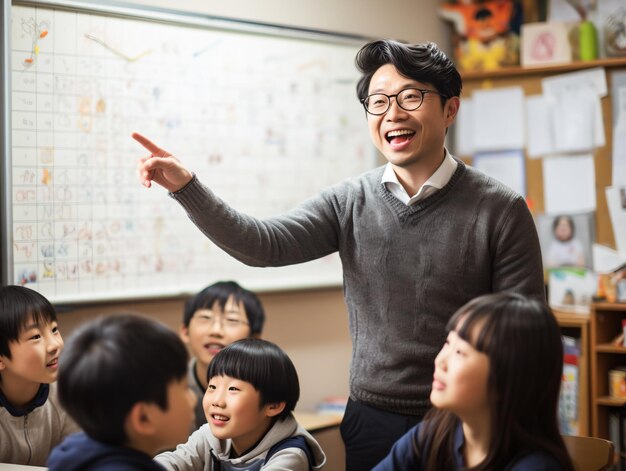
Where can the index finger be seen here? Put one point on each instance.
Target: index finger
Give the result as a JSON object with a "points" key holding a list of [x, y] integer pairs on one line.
{"points": [[148, 144]]}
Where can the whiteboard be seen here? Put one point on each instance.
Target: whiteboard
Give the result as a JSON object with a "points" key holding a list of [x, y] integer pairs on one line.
{"points": [[265, 116]]}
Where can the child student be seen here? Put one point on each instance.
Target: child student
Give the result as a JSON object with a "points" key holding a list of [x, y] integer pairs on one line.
{"points": [[495, 393], [32, 421], [123, 379], [253, 388], [214, 318]]}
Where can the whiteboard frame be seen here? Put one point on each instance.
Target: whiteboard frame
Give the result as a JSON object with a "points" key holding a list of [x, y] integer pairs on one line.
{"points": [[141, 12], [200, 20], [6, 211]]}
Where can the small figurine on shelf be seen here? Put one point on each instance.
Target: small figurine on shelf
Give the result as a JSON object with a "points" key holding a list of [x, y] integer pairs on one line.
{"points": [[486, 33], [612, 286], [615, 33], [586, 37], [620, 286]]}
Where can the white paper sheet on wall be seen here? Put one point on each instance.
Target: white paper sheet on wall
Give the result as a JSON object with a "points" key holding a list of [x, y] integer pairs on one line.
{"points": [[498, 119], [605, 259], [619, 131], [569, 184], [562, 10], [616, 201], [591, 78], [574, 121], [576, 110], [464, 129], [506, 167], [538, 127]]}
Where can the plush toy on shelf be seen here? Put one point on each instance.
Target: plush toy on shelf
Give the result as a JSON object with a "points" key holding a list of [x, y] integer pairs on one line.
{"points": [[486, 33]]}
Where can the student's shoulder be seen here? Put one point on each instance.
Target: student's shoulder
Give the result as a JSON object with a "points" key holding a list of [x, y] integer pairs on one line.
{"points": [[290, 446], [53, 403], [79, 452], [536, 461], [292, 457]]}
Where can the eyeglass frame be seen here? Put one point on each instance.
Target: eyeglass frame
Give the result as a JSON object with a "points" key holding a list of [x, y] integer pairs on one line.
{"points": [[423, 91], [210, 320]]}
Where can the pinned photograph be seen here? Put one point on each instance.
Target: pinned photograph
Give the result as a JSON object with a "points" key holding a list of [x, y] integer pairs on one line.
{"points": [[566, 240]]}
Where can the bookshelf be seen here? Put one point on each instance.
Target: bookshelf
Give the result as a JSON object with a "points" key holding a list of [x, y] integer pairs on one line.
{"points": [[606, 324], [577, 325]]}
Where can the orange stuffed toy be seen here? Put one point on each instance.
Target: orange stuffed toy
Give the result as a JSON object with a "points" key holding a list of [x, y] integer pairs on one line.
{"points": [[487, 33]]}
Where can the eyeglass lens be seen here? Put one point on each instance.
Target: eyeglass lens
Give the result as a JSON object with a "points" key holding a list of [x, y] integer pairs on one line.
{"points": [[409, 99]]}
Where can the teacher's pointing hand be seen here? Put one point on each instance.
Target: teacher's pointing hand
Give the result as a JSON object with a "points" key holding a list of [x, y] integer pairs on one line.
{"points": [[160, 167]]}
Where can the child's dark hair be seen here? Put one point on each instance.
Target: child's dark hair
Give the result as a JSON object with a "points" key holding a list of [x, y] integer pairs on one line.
{"points": [[114, 362], [570, 221], [264, 365], [18, 307], [523, 342], [220, 292], [421, 62]]}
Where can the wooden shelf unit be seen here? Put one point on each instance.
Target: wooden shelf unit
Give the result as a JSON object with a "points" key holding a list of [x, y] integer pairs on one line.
{"points": [[544, 70], [577, 325], [606, 324]]}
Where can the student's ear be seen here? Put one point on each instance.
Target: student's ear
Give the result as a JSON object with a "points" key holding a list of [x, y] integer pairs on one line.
{"points": [[3, 365], [274, 408], [139, 419], [450, 109], [184, 333]]}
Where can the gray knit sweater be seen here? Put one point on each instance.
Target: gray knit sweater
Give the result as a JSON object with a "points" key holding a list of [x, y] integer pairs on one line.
{"points": [[406, 269]]}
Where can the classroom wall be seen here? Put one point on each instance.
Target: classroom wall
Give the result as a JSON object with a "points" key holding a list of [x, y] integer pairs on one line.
{"points": [[408, 20], [310, 325]]}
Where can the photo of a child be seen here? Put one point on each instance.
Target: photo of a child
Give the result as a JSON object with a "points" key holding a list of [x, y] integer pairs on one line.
{"points": [[566, 240]]}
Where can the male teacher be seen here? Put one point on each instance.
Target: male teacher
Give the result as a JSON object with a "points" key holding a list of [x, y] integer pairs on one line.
{"points": [[418, 238]]}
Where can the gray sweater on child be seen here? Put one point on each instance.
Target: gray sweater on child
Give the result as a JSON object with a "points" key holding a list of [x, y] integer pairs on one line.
{"points": [[406, 269]]}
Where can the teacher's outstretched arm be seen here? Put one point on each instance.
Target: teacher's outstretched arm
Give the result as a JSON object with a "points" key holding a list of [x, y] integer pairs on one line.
{"points": [[160, 167]]}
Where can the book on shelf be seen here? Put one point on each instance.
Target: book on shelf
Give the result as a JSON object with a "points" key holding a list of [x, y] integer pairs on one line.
{"points": [[615, 422], [568, 400]]}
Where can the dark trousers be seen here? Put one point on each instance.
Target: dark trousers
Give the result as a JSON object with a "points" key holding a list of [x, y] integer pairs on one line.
{"points": [[369, 433]]}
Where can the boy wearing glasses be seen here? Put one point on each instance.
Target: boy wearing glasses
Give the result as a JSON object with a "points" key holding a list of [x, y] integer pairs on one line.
{"points": [[214, 318], [418, 238]]}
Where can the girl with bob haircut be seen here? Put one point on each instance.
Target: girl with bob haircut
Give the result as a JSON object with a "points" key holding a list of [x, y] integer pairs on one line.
{"points": [[253, 390], [495, 393]]}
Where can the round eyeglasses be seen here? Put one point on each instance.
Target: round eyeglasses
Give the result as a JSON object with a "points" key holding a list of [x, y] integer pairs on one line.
{"points": [[228, 321], [408, 99]]}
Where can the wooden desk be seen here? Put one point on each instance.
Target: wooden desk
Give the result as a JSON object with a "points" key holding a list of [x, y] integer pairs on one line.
{"points": [[325, 429], [314, 422], [19, 467]]}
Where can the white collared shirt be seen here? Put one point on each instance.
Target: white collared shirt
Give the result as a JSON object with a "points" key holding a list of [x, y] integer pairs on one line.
{"points": [[437, 181]]}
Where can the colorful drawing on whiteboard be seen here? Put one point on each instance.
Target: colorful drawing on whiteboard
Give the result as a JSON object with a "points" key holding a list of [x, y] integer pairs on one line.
{"points": [[37, 31]]}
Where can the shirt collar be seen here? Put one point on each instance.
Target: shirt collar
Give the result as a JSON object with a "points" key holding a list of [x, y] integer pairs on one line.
{"points": [[459, 443], [39, 400], [437, 180]]}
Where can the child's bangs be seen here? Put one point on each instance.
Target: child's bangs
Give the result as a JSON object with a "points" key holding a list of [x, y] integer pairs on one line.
{"points": [[38, 317], [207, 301], [240, 366], [475, 324]]}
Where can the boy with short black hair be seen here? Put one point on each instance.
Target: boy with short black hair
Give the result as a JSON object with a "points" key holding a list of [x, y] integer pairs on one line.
{"points": [[253, 389], [32, 421], [123, 379], [217, 316]]}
